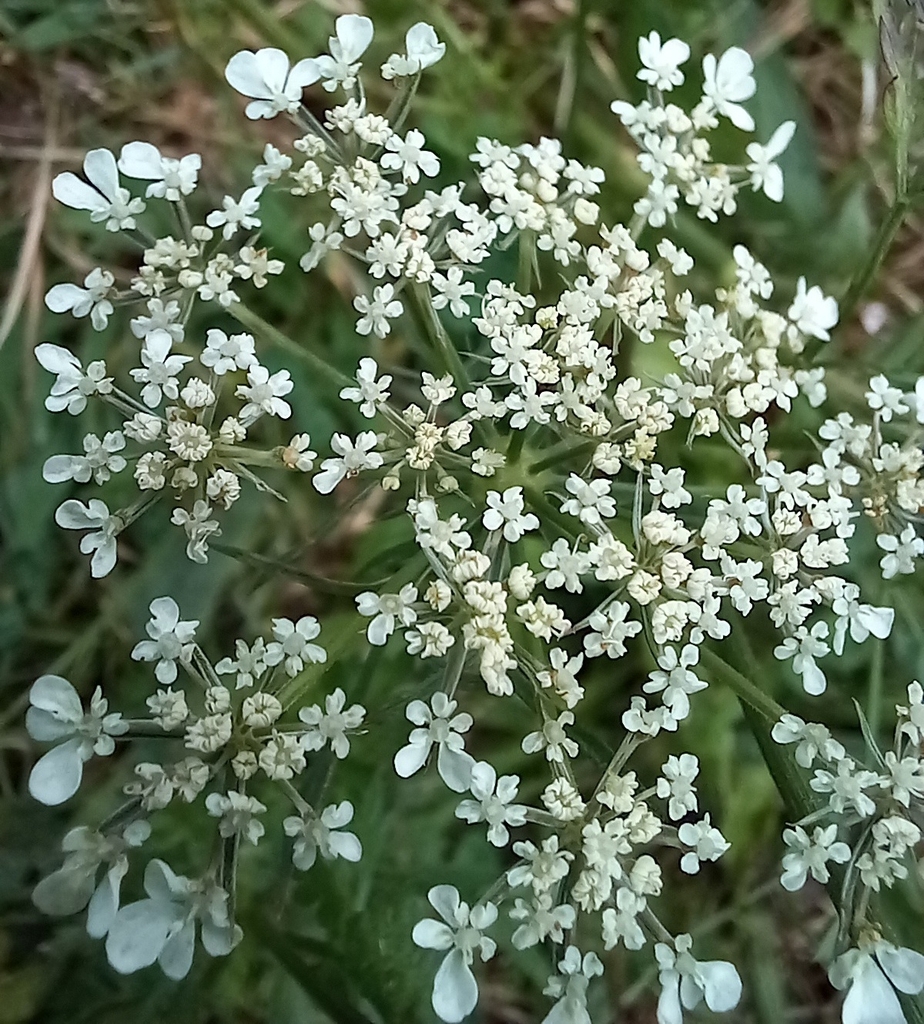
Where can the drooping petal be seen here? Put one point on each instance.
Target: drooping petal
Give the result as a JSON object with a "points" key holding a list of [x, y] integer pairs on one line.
{"points": [[721, 985], [104, 558], [306, 72], [56, 776], [176, 957], [73, 515], [455, 768], [423, 46], [903, 967], [346, 845], [104, 904], [669, 1008], [65, 891], [138, 933], [412, 758], [56, 359], [47, 728], [455, 991], [871, 998]]}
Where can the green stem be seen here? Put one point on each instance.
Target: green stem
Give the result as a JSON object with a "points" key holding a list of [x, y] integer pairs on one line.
{"points": [[742, 686], [419, 295], [256, 323], [862, 279]]}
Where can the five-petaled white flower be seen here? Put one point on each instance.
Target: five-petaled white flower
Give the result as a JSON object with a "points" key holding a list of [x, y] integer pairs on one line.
{"points": [[93, 298], [455, 990], [170, 178], [662, 61], [505, 511], [728, 82], [158, 369], [104, 196], [263, 394], [266, 78], [350, 458], [56, 715], [813, 313], [353, 36], [331, 724], [493, 803], [371, 393], [422, 50], [73, 385], [292, 646], [685, 982], [171, 640], [387, 611], [314, 835], [104, 527], [765, 172], [872, 973], [437, 724]]}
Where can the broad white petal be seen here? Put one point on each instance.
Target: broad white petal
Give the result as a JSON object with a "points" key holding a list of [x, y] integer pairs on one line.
{"points": [[430, 934], [721, 985], [72, 191], [871, 999], [345, 845], [141, 160], [305, 72], [47, 728], [63, 297], [55, 694], [354, 32], [56, 359], [56, 776], [64, 892], [455, 991], [455, 768], [903, 967], [422, 44], [411, 759], [176, 957], [243, 73], [73, 515], [104, 558], [99, 166], [274, 67], [445, 901], [104, 905], [138, 933]]}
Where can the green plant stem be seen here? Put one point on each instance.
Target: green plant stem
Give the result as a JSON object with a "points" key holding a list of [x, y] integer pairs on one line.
{"points": [[743, 688], [256, 323], [862, 279], [419, 296]]}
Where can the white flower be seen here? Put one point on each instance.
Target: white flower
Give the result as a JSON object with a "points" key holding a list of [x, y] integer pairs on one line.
{"points": [[73, 384], [811, 855], [73, 886], [377, 311], [371, 393], [265, 77], [293, 646], [104, 527], [506, 511], [591, 501], [900, 552], [100, 460], [728, 82], [868, 972], [662, 61], [162, 928], [93, 298], [171, 640], [570, 985], [103, 197], [351, 458], [386, 611], [170, 179], [238, 815], [813, 313], [223, 354], [707, 841], [56, 716], [422, 49], [236, 213], [765, 173], [264, 393], [455, 991], [354, 34], [408, 156], [677, 784], [493, 803], [331, 724], [321, 835], [804, 648], [158, 369], [685, 982], [437, 724]]}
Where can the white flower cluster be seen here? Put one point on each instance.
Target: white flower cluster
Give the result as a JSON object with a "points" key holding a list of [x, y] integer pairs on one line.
{"points": [[225, 741], [551, 528]]}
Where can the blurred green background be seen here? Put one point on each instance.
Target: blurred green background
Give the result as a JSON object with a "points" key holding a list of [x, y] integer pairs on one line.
{"points": [[335, 944]]}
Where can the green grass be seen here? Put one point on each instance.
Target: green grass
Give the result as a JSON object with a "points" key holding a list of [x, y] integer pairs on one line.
{"points": [[334, 945]]}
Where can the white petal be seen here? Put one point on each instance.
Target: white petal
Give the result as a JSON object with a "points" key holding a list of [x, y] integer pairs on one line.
{"points": [[903, 967], [721, 985], [56, 359], [871, 999], [455, 768], [274, 67], [345, 845], [99, 166], [305, 72], [56, 776], [63, 297], [104, 558], [55, 694], [411, 759], [72, 191], [422, 44], [430, 934], [243, 74], [354, 33], [104, 905], [445, 901], [138, 933], [47, 728], [455, 991], [669, 1008], [64, 891], [141, 160], [58, 469], [177, 955], [73, 515]]}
